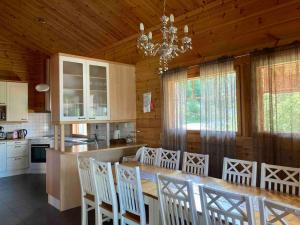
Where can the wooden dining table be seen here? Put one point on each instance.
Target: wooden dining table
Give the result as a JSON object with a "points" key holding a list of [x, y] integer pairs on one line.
{"points": [[149, 188]]}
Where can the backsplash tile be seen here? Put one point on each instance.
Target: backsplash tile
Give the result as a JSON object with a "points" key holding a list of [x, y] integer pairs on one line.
{"points": [[39, 124]]}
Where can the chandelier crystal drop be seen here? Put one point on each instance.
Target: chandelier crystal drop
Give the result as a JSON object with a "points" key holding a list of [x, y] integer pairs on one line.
{"points": [[169, 48]]}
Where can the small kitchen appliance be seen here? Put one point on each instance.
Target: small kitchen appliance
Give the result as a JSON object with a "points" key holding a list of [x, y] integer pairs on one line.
{"points": [[2, 133], [11, 135], [22, 133]]}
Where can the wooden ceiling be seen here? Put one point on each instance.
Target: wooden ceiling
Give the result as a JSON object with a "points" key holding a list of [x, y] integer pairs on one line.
{"points": [[108, 28], [81, 27]]}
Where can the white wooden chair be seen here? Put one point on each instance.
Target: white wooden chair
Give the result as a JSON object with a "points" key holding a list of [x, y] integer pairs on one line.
{"points": [[132, 207], [176, 198], [276, 213], [280, 178], [168, 159], [87, 190], [149, 155], [223, 208], [195, 163], [105, 193], [240, 171]]}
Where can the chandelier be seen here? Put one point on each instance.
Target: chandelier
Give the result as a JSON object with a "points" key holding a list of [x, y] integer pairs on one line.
{"points": [[168, 48]]}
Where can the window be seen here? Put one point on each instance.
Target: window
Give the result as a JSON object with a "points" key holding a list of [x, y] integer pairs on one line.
{"points": [[79, 129], [211, 102], [193, 104], [279, 97]]}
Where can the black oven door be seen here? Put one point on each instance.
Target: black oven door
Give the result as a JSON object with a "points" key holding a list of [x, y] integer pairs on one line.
{"points": [[38, 153]]}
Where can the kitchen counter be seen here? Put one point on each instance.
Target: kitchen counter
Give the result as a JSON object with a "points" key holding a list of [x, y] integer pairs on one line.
{"points": [[62, 180], [84, 148]]}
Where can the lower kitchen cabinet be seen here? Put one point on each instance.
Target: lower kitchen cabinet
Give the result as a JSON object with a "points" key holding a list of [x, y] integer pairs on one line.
{"points": [[17, 163], [2, 156], [17, 155]]}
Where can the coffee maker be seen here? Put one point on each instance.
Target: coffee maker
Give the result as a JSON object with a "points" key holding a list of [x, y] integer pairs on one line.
{"points": [[2, 133]]}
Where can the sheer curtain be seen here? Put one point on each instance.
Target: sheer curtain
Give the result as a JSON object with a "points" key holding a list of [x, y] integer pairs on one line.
{"points": [[174, 110], [276, 106], [218, 113]]}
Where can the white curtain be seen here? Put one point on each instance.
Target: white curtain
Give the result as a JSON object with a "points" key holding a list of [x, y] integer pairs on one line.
{"points": [[218, 112], [174, 110]]}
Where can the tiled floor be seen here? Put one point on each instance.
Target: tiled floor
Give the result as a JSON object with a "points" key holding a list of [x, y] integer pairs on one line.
{"points": [[23, 201]]}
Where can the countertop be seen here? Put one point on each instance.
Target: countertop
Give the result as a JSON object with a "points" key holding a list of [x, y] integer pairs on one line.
{"points": [[91, 147]]}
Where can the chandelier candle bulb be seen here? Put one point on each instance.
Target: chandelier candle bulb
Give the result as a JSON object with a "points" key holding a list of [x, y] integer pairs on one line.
{"points": [[150, 35], [141, 26], [172, 18], [186, 29]]}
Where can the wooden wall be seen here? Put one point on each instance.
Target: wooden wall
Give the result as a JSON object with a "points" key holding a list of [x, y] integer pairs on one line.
{"points": [[148, 124], [19, 63]]}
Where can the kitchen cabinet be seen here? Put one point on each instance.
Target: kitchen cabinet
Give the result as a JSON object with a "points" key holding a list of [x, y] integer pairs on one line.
{"points": [[2, 93], [17, 102], [72, 89], [122, 92], [97, 91], [17, 155], [2, 156], [79, 89]]}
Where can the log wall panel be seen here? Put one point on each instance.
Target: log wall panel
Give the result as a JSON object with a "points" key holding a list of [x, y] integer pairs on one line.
{"points": [[19, 63]]}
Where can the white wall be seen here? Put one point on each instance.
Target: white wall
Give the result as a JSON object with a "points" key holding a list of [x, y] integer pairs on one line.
{"points": [[39, 124]]}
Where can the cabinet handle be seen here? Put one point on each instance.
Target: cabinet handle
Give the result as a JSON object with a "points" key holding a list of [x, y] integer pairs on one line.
{"points": [[18, 158], [23, 119], [92, 118], [81, 118]]}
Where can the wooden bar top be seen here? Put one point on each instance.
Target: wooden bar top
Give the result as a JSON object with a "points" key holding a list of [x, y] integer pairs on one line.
{"points": [[75, 149]]}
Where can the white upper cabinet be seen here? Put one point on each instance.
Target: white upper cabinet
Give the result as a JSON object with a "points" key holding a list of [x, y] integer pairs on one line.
{"points": [[79, 89], [3, 100], [17, 101], [73, 89], [97, 91]]}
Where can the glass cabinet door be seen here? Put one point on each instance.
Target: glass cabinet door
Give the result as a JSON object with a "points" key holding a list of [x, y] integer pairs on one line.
{"points": [[98, 91], [73, 89]]}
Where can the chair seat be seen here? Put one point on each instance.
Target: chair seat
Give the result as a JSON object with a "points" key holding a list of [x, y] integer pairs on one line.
{"points": [[106, 206], [135, 218], [90, 197]]}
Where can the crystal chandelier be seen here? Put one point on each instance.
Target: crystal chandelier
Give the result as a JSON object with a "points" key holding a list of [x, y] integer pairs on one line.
{"points": [[168, 49]]}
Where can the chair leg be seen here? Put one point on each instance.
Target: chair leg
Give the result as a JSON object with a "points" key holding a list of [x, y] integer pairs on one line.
{"points": [[84, 214], [122, 221], [98, 216]]}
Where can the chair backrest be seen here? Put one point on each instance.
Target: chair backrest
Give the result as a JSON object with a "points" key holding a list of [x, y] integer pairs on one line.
{"points": [[195, 163], [103, 183], [220, 207], [149, 155], [168, 159], [176, 198], [130, 191], [85, 175], [280, 178], [273, 213], [240, 171]]}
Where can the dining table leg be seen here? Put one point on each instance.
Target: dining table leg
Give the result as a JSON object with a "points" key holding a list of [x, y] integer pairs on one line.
{"points": [[154, 216]]}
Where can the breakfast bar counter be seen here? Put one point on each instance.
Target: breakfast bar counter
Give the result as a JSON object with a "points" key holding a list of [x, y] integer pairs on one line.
{"points": [[62, 180]]}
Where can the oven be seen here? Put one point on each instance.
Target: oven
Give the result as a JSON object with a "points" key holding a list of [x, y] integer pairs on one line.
{"points": [[38, 153], [38, 147]]}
